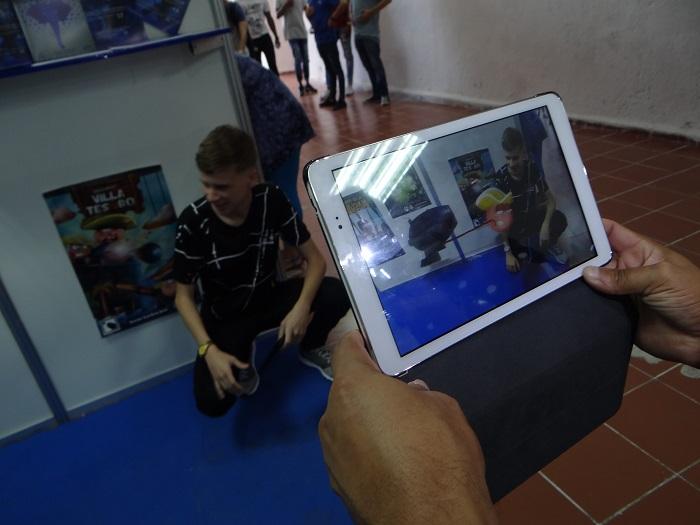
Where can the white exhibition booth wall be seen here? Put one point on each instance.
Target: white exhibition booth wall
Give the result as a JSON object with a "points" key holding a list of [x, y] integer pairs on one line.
{"points": [[72, 124]]}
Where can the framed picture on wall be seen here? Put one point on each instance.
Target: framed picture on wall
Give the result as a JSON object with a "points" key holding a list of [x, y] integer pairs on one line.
{"points": [[14, 51], [114, 23], [119, 235], [54, 28]]}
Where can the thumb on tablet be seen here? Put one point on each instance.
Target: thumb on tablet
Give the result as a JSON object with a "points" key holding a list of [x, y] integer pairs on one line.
{"points": [[621, 282], [351, 356]]}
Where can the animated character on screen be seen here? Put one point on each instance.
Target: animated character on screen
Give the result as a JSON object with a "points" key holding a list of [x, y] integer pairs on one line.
{"points": [[536, 223]]}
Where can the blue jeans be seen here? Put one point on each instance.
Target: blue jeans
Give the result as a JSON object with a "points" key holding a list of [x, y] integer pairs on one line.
{"points": [[368, 49], [300, 50], [334, 72]]}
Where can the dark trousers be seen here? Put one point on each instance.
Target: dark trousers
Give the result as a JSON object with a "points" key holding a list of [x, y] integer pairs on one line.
{"points": [[334, 72], [529, 242], [266, 310], [263, 44], [368, 49], [300, 50]]}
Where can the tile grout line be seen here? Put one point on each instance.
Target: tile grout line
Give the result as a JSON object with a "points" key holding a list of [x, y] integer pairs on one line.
{"points": [[635, 445], [638, 499], [686, 469], [686, 237], [566, 496]]}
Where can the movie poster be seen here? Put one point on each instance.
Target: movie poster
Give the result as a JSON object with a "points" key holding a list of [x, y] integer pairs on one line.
{"points": [[13, 47], [408, 195], [166, 15], [377, 242], [473, 173], [54, 28], [114, 23], [119, 234]]}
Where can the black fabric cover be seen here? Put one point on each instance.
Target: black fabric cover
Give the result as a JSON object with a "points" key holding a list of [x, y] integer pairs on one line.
{"points": [[538, 381]]}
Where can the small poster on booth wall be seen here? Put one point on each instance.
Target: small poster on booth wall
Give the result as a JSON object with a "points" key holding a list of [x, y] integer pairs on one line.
{"points": [[54, 28], [114, 23], [119, 234], [13, 47], [166, 15]]}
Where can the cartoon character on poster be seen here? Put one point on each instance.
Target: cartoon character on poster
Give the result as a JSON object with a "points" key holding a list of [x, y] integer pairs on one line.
{"points": [[119, 234], [474, 174]]}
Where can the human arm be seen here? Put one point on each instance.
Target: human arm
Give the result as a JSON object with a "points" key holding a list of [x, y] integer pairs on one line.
{"points": [[544, 229], [367, 14], [242, 36], [273, 27], [218, 362], [666, 289], [293, 326], [399, 453], [283, 6]]}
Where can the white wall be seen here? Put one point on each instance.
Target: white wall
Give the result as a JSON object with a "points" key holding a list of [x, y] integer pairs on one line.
{"points": [[634, 63]]}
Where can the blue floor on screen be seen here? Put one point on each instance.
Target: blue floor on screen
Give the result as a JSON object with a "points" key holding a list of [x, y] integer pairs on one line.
{"points": [[427, 307], [153, 459]]}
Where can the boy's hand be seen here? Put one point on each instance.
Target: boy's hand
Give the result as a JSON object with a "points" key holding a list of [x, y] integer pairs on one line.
{"points": [[220, 366], [293, 326]]}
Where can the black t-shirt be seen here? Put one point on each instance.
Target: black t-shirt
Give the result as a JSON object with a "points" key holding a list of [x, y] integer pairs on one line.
{"points": [[529, 198], [232, 262]]}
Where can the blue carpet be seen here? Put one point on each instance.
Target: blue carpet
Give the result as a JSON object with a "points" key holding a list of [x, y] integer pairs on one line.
{"points": [[425, 308], [154, 459]]}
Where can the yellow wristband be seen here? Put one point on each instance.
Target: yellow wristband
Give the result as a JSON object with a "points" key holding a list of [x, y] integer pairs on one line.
{"points": [[202, 349]]}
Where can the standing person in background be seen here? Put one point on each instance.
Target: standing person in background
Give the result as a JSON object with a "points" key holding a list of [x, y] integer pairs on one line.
{"points": [[296, 35], [259, 41], [340, 19], [239, 26], [365, 19], [319, 13], [280, 126]]}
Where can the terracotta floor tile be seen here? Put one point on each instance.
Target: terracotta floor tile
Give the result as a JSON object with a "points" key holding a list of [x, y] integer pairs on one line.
{"points": [[636, 153], [650, 198], [604, 472], [691, 243], [671, 162], [692, 151], [635, 377], [685, 182], [594, 148], [605, 164], [688, 208], [685, 379], [619, 210], [536, 501], [628, 137], [662, 422], [663, 145], [606, 186], [648, 363], [640, 173], [675, 503], [692, 475], [662, 227]]}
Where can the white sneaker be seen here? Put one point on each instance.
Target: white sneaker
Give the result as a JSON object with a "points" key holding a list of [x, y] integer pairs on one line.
{"points": [[384, 101], [349, 91]]}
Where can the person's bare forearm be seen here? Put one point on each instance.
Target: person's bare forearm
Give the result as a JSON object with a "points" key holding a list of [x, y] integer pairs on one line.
{"points": [[242, 35], [187, 308], [381, 5], [551, 206], [315, 270], [271, 23]]}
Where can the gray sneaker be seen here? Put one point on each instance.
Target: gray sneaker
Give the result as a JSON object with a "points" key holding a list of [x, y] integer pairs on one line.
{"points": [[559, 255], [318, 358]]}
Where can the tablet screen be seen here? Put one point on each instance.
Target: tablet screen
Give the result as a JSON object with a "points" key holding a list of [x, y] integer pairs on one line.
{"points": [[456, 226]]}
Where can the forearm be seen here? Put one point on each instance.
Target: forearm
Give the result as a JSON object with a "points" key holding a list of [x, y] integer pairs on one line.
{"points": [[551, 206], [186, 307], [242, 35], [381, 5], [315, 270], [271, 23]]}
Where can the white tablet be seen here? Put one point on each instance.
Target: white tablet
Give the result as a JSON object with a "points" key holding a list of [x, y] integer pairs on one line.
{"points": [[441, 232]]}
